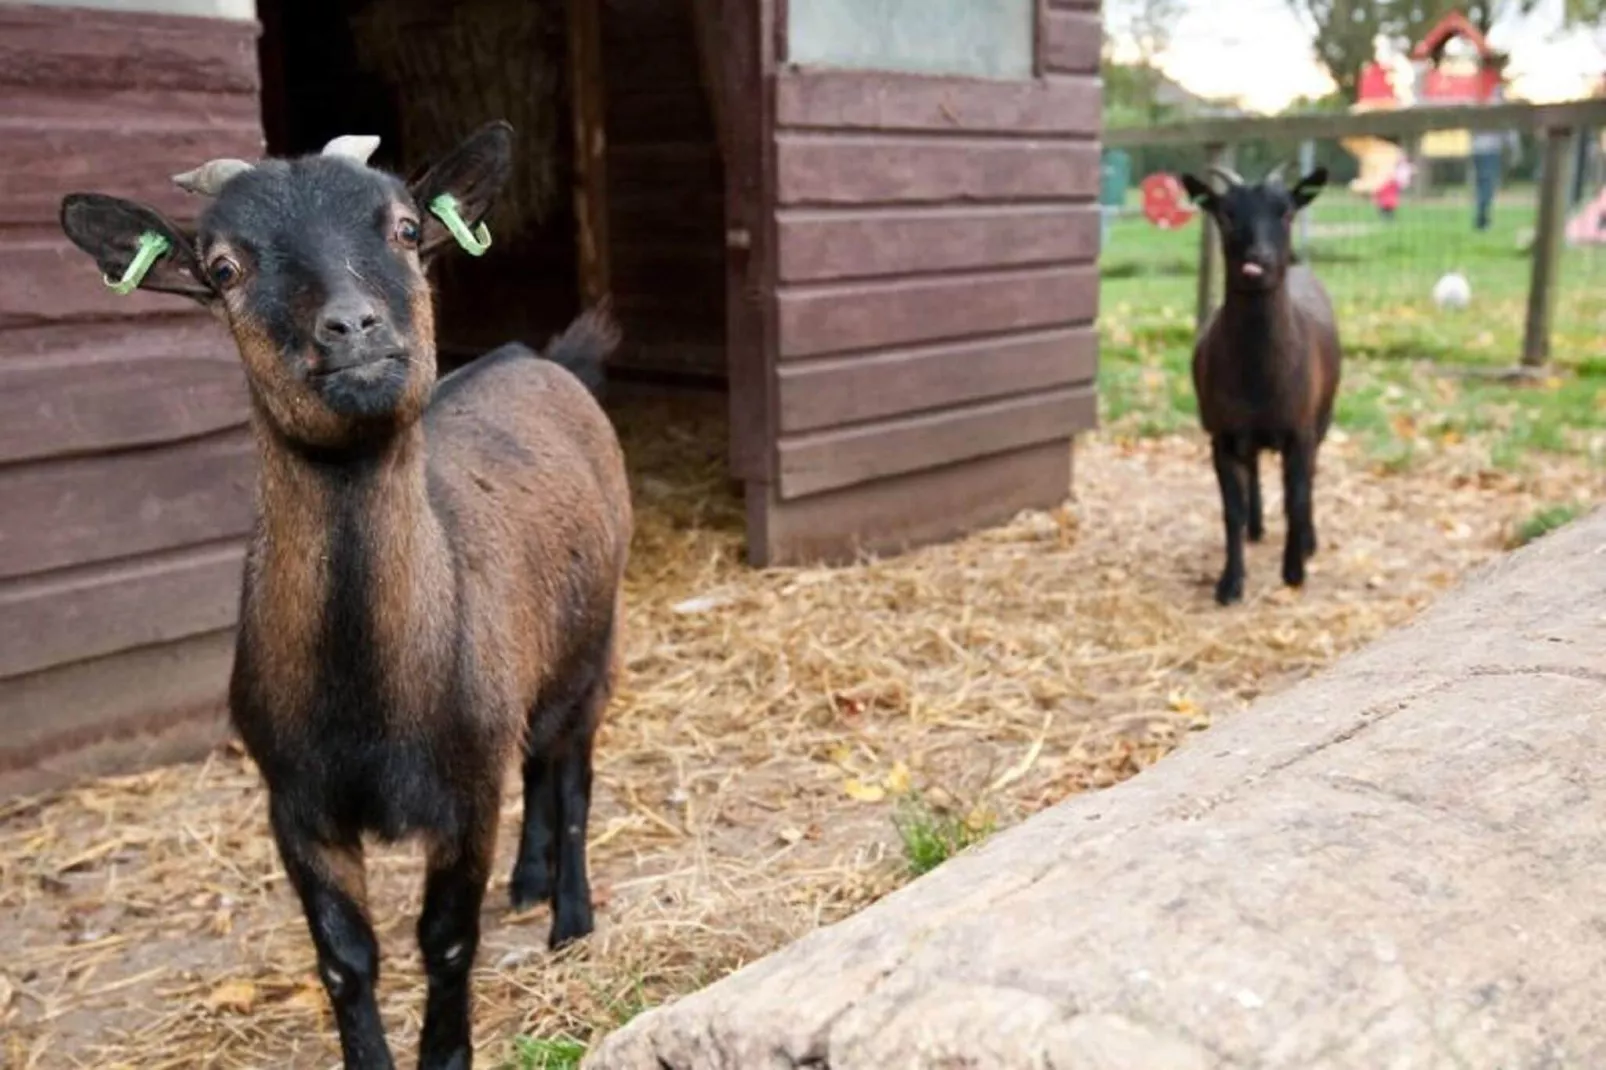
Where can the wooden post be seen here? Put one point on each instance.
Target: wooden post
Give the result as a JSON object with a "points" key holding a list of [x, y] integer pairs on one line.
{"points": [[1220, 156], [590, 149], [1547, 247]]}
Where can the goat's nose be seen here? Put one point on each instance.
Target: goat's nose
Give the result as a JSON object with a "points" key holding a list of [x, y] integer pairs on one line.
{"points": [[346, 319]]}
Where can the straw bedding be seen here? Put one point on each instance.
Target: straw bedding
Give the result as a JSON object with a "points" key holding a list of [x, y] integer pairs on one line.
{"points": [[766, 724]]}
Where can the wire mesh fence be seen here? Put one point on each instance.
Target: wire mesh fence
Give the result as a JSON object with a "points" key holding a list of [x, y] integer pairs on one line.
{"points": [[1417, 269]]}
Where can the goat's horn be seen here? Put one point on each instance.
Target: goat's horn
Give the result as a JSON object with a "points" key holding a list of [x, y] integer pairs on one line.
{"points": [[356, 147], [209, 178], [1275, 175], [1227, 174]]}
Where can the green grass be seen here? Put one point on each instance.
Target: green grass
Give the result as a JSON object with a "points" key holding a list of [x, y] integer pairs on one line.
{"points": [[1396, 343], [1544, 521], [563, 1053], [931, 837]]}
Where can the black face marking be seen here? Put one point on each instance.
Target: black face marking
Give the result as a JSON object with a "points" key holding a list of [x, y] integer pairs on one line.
{"points": [[322, 273]]}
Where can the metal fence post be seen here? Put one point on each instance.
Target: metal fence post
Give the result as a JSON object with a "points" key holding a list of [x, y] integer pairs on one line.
{"points": [[1219, 156], [1307, 164], [1546, 247]]}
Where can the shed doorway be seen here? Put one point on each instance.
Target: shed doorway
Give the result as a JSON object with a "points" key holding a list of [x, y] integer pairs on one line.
{"points": [[422, 74]]}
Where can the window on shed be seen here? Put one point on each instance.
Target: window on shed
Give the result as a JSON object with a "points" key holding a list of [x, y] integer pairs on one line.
{"points": [[979, 38]]}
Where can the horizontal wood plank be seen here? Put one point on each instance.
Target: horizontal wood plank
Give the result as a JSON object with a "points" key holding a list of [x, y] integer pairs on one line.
{"points": [[819, 245], [828, 393], [818, 320], [893, 515], [115, 714], [95, 47], [42, 160], [1072, 41], [51, 281], [97, 508], [827, 169], [873, 100], [105, 609], [827, 460], [154, 384]]}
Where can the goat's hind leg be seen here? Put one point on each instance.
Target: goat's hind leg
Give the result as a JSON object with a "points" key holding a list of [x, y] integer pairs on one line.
{"points": [[1257, 515], [571, 904], [533, 870], [329, 879], [1298, 462]]}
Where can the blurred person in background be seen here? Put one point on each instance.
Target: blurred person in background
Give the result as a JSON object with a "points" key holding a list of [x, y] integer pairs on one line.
{"points": [[1488, 149]]}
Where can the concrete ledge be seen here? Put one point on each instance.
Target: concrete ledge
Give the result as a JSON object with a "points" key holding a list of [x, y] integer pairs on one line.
{"points": [[1400, 863]]}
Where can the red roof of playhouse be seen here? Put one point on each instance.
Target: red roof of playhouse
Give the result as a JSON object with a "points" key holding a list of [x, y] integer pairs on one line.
{"points": [[1442, 87], [1376, 85]]}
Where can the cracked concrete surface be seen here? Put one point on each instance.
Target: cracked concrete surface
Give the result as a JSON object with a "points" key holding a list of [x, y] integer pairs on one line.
{"points": [[1397, 864]]}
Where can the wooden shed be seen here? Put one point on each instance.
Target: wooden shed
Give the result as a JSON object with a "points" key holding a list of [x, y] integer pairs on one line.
{"points": [[872, 222]]}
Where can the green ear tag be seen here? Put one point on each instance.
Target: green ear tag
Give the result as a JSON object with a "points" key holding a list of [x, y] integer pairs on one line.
{"points": [[475, 242], [151, 246]]}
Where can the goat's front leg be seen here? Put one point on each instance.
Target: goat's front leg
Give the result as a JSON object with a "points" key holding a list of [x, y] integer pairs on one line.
{"points": [[330, 881], [1257, 516], [449, 931], [1230, 474], [1298, 458]]}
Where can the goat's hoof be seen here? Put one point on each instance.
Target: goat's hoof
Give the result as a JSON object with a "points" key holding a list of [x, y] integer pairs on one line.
{"points": [[1230, 589], [570, 925], [1294, 574], [531, 885]]}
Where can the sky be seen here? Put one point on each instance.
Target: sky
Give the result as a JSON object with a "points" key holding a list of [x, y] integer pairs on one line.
{"points": [[1261, 56]]}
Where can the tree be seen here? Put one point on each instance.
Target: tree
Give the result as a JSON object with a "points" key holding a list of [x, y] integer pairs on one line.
{"points": [[1146, 24]]}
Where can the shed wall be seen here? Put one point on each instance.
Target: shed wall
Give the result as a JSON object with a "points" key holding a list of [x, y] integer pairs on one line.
{"points": [[125, 465], [933, 242]]}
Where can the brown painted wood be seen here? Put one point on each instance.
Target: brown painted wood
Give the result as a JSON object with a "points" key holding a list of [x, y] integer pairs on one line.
{"points": [[63, 46], [1071, 42], [749, 240], [886, 102], [590, 149], [47, 280], [823, 244], [848, 390], [893, 515], [854, 316], [103, 609], [114, 714], [834, 169], [826, 460], [148, 386], [97, 508], [42, 160]]}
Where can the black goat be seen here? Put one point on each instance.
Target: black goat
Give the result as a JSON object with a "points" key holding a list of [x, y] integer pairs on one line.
{"points": [[1266, 367], [432, 586]]}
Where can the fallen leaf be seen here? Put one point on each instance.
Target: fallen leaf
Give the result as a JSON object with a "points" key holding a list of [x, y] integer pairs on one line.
{"points": [[791, 836], [855, 788], [233, 996], [897, 779], [1182, 703]]}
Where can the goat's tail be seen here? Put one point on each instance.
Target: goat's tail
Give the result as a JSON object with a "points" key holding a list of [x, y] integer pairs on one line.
{"points": [[585, 345]]}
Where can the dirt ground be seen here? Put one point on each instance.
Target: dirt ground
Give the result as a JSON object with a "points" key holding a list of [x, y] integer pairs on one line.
{"points": [[766, 725]]}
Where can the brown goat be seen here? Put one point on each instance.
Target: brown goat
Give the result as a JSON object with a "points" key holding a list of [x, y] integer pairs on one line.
{"points": [[432, 585], [1266, 366]]}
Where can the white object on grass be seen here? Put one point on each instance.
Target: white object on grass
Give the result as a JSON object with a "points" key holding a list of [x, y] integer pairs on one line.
{"points": [[1452, 291]]}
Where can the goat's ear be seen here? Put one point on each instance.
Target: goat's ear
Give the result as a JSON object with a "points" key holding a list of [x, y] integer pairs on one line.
{"points": [[1200, 193], [1306, 189], [110, 228], [473, 174]]}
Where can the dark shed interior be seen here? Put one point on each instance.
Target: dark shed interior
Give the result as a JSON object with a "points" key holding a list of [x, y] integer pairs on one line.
{"points": [[421, 74]]}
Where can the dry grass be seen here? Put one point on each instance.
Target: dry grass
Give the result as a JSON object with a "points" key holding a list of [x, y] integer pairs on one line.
{"points": [[747, 777]]}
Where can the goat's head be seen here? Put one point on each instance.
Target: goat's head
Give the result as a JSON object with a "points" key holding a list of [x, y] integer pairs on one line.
{"points": [[318, 267], [1255, 221]]}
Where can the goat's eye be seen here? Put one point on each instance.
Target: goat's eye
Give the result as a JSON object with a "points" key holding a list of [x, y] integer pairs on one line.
{"points": [[407, 232], [224, 271]]}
